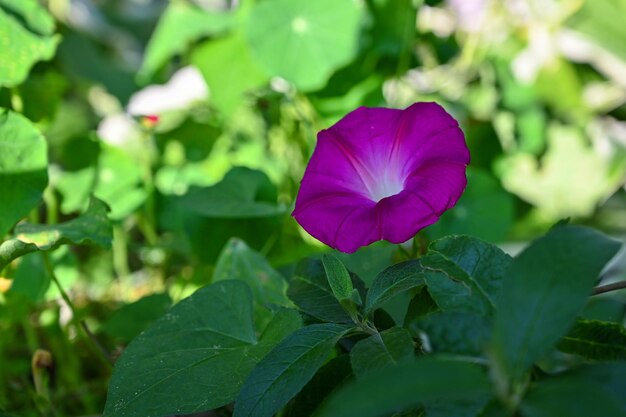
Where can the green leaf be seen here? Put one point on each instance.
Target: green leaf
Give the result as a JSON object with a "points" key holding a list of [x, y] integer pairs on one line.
{"points": [[381, 350], [486, 264], [243, 193], [23, 167], [286, 369], [304, 42], [600, 20], [196, 357], [91, 228], [119, 182], [338, 277], [310, 291], [26, 30], [597, 340], [228, 88], [180, 25], [409, 384], [394, 26], [569, 396], [452, 288], [128, 321], [392, 281], [551, 279], [330, 376], [610, 376], [461, 333], [238, 261]]}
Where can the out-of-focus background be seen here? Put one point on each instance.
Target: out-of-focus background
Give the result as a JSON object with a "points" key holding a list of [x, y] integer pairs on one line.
{"points": [[194, 120]]}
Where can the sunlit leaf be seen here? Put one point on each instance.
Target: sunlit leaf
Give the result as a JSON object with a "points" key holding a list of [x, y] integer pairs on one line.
{"points": [[304, 42], [27, 36], [23, 168]]}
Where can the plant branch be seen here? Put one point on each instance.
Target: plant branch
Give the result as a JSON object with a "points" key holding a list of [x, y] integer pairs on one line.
{"points": [[601, 289], [83, 330]]}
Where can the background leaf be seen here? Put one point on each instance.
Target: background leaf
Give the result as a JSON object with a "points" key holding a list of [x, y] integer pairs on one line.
{"points": [[593, 339], [228, 88], [24, 44], [23, 167], [239, 262], [180, 25], [303, 42], [91, 228]]}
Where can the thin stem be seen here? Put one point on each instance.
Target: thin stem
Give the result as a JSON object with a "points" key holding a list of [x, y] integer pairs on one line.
{"points": [[83, 330], [609, 287]]}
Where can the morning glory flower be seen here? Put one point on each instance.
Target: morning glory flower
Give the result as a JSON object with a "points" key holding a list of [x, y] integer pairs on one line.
{"points": [[382, 173]]}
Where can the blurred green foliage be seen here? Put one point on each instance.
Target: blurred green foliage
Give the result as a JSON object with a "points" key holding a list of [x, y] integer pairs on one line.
{"points": [[193, 121]]}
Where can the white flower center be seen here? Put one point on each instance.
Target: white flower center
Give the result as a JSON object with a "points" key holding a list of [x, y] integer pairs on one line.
{"points": [[385, 186]]}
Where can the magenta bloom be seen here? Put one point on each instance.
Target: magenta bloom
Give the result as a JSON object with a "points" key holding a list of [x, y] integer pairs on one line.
{"points": [[382, 174]]}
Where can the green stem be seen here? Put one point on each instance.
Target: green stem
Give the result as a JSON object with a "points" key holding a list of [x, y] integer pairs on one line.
{"points": [[81, 326], [120, 252], [51, 206]]}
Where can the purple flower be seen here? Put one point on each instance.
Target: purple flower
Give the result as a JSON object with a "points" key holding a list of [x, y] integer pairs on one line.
{"points": [[382, 174]]}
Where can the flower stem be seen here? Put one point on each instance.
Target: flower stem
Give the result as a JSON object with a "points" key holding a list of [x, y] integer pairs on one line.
{"points": [[81, 326], [609, 287]]}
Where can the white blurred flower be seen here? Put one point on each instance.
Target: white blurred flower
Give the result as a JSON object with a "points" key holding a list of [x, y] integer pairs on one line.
{"points": [[186, 87], [470, 14], [118, 129], [436, 20], [540, 52]]}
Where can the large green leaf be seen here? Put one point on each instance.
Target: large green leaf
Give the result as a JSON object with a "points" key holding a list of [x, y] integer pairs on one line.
{"points": [[310, 291], [546, 288], [595, 339], [228, 87], [180, 25], [452, 332], [572, 397], [91, 228], [131, 319], [23, 167], [27, 33], [392, 281], [286, 369], [610, 376], [330, 376], [238, 261], [304, 42], [196, 357], [243, 193], [381, 350], [419, 382]]}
